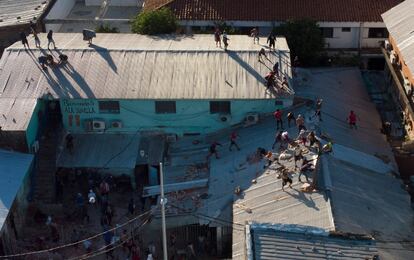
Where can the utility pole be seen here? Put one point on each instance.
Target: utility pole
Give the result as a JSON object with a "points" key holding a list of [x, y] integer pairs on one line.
{"points": [[163, 201]]}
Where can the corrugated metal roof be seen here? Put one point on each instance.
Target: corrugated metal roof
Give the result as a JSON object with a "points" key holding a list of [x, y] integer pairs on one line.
{"points": [[16, 113], [359, 194], [27, 10], [270, 244], [140, 67], [400, 23], [270, 205], [101, 151], [13, 168]]}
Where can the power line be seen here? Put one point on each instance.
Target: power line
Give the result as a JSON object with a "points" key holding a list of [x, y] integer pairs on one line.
{"points": [[210, 218], [108, 248], [77, 242]]}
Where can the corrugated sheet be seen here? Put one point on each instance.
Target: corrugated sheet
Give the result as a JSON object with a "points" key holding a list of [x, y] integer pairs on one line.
{"points": [[27, 10], [360, 196], [271, 245], [118, 151], [139, 67], [269, 204], [400, 23], [13, 168], [15, 114]]}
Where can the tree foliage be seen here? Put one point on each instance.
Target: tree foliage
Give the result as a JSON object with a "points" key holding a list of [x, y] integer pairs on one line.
{"points": [[304, 38], [106, 28], [154, 22]]}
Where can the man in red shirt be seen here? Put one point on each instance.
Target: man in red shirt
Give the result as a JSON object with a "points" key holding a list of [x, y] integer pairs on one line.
{"points": [[278, 117], [233, 138], [352, 118]]}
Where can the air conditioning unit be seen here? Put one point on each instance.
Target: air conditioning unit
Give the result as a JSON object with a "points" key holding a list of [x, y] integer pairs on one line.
{"points": [[393, 59], [252, 118], [116, 124], [171, 138], [407, 86], [98, 125], [387, 45], [225, 118]]}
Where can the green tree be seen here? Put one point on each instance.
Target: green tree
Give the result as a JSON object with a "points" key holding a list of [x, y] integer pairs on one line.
{"points": [[155, 22], [304, 38]]}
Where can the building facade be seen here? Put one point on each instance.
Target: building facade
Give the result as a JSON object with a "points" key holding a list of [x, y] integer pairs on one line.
{"points": [[399, 53], [344, 25]]}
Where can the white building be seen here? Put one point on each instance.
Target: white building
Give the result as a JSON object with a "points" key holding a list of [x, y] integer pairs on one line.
{"points": [[346, 24], [75, 15]]}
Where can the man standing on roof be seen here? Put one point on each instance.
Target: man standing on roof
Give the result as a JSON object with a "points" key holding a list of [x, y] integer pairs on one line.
{"points": [[24, 40], [213, 150], [352, 118], [300, 123], [306, 167], [278, 138], [271, 40], [217, 36], [286, 179], [262, 52], [233, 138], [50, 39], [276, 69], [278, 117], [225, 40], [290, 117], [255, 34]]}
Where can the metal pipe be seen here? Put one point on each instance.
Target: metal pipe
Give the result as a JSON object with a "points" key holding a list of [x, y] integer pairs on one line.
{"points": [[163, 201]]}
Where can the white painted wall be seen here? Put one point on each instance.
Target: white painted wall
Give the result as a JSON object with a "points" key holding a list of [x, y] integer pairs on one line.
{"points": [[370, 42], [115, 2], [60, 10], [342, 40]]}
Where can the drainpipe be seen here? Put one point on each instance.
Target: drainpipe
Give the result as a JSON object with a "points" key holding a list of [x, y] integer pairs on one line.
{"points": [[360, 39]]}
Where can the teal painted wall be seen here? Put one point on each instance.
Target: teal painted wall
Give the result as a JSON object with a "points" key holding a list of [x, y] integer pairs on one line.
{"points": [[33, 127], [191, 116]]}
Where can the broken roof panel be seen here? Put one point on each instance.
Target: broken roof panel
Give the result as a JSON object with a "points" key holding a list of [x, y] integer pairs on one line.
{"points": [[265, 202], [129, 66], [15, 12]]}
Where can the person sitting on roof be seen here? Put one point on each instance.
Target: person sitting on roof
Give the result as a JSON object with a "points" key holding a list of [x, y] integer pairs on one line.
{"points": [[88, 35], [50, 60], [262, 52], [42, 60], [63, 58]]}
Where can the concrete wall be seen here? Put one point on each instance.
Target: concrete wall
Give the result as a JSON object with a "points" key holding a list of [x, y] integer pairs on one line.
{"points": [[60, 10], [115, 2], [341, 40], [367, 42], [404, 68], [191, 116], [33, 127]]}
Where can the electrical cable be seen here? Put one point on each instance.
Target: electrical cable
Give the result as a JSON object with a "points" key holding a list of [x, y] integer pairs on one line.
{"points": [[108, 248], [214, 219], [77, 242]]}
